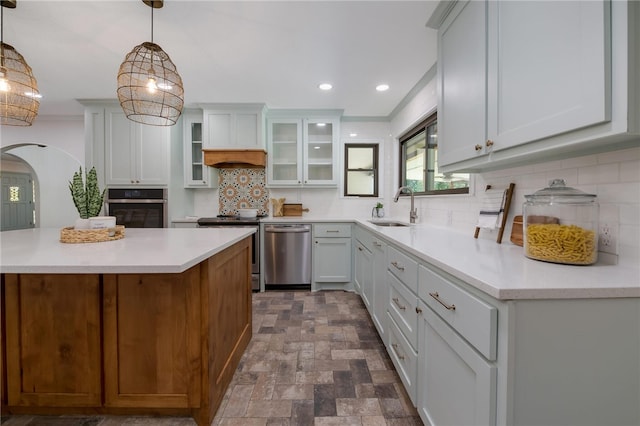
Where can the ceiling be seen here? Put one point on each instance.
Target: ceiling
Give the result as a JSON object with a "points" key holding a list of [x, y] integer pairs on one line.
{"points": [[273, 52]]}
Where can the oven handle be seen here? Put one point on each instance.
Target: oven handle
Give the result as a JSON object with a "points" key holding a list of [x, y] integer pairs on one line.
{"points": [[135, 201]]}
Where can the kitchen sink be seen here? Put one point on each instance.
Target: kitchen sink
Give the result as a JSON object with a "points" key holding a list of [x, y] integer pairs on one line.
{"points": [[388, 223]]}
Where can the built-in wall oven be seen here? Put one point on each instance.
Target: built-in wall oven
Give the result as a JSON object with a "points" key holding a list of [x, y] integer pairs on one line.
{"points": [[240, 222], [138, 207]]}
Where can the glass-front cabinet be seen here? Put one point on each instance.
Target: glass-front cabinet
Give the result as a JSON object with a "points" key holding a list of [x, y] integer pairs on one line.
{"points": [[196, 174], [302, 151]]}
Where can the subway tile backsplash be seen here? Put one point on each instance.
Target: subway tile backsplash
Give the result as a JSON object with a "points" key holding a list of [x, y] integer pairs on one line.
{"points": [[613, 176]]}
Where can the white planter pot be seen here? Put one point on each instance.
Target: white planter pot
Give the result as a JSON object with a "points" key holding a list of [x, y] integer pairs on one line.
{"points": [[82, 224]]}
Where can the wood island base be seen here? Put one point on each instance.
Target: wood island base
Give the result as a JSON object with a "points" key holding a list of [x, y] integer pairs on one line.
{"points": [[152, 344]]}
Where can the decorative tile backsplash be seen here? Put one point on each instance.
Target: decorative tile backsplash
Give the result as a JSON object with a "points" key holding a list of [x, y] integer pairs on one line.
{"points": [[243, 189]]}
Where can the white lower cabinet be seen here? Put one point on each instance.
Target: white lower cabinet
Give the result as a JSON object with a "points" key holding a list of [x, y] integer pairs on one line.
{"points": [[331, 256], [456, 385], [404, 358], [380, 287], [466, 358], [363, 271]]}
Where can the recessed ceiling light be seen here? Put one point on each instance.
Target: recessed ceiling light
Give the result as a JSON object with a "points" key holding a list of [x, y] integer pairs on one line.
{"points": [[353, 135], [382, 87], [325, 86]]}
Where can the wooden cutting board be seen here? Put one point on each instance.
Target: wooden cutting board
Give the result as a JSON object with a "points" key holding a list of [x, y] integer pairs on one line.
{"points": [[294, 209], [516, 231]]}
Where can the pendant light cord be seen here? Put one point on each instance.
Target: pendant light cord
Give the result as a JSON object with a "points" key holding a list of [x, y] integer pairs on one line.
{"points": [[151, 22]]}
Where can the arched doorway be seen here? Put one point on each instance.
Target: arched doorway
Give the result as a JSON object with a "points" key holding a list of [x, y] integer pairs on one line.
{"points": [[18, 207]]}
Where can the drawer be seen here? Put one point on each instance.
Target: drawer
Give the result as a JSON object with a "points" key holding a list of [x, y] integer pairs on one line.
{"points": [[474, 319], [402, 305], [404, 358], [363, 236], [403, 267], [329, 230]]}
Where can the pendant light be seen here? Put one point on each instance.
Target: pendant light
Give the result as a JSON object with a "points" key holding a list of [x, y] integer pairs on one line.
{"points": [[19, 95], [149, 87]]}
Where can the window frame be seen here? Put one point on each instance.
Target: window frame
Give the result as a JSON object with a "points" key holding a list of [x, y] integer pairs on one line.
{"points": [[406, 137], [375, 170]]}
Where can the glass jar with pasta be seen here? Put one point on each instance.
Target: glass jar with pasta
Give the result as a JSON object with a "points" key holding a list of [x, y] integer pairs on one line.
{"points": [[561, 225]]}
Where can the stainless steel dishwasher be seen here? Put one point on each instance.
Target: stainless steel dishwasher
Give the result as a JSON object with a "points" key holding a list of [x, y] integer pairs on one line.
{"points": [[287, 255]]}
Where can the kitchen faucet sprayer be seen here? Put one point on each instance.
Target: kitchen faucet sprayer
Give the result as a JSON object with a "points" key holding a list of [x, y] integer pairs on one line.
{"points": [[413, 213]]}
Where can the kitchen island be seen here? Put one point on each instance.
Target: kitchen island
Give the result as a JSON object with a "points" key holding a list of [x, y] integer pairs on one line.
{"points": [[154, 323]]}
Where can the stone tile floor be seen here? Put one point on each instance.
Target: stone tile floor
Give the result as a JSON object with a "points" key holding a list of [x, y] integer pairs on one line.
{"points": [[314, 359]]}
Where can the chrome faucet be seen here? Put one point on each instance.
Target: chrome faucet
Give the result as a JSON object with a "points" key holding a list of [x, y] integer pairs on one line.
{"points": [[413, 213]]}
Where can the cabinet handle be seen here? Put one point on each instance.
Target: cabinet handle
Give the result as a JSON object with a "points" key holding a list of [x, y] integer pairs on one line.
{"points": [[489, 143], [377, 244], [436, 296], [360, 248], [332, 230], [395, 350], [478, 147], [398, 267], [397, 302], [418, 310]]}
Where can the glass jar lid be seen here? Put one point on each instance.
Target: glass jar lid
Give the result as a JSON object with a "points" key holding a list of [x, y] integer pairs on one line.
{"points": [[559, 192]]}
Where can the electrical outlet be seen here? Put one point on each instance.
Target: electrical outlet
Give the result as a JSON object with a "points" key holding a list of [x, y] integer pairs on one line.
{"points": [[608, 238]]}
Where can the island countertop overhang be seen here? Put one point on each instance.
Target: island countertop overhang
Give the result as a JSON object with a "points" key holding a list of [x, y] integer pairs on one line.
{"points": [[163, 250]]}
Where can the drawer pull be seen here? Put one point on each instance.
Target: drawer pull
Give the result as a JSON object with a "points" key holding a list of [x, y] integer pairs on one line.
{"points": [[395, 350], [332, 230], [437, 297], [489, 143], [478, 147], [377, 244], [397, 302], [397, 266], [418, 310], [360, 248]]}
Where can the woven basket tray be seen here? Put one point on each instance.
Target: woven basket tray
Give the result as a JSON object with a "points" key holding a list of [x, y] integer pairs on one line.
{"points": [[71, 235]]}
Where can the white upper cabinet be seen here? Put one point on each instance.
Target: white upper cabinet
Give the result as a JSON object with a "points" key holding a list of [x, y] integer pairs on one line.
{"points": [[462, 65], [134, 154], [303, 151], [530, 81], [233, 126], [196, 173]]}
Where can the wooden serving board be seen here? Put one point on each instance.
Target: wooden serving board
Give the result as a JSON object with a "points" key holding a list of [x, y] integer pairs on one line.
{"points": [[293, 209]]}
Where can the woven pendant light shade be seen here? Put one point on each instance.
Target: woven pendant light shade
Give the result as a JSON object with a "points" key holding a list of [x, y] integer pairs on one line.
{"points": [[19, 96], [160, 106]]}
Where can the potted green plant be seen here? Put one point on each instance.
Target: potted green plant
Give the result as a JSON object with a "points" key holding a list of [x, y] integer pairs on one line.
{"points": [[379, 210], [86, 197]]}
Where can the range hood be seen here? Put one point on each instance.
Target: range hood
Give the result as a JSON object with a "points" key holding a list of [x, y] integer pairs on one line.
{"points": [[227, 157]]}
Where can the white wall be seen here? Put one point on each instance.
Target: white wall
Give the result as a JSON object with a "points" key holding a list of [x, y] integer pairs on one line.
{"points": [[63, 132]]}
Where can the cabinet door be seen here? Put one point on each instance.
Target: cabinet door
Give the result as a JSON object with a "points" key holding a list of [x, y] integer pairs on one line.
{"points": [[319, 152], [120, 148], [235, 127], [332, 260], [155, 363], [364, 274], [380, 288], [284, 137], [548, 69], [218, 129], [462, 64], [53, 340], [452, 374], [152, 154]]}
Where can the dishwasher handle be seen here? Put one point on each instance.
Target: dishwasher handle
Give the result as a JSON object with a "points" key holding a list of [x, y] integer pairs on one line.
{"points": [[287, 228]]}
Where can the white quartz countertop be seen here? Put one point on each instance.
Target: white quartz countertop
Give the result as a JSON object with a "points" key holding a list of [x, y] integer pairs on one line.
{"points": [[502, 271], [163, 250]]}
